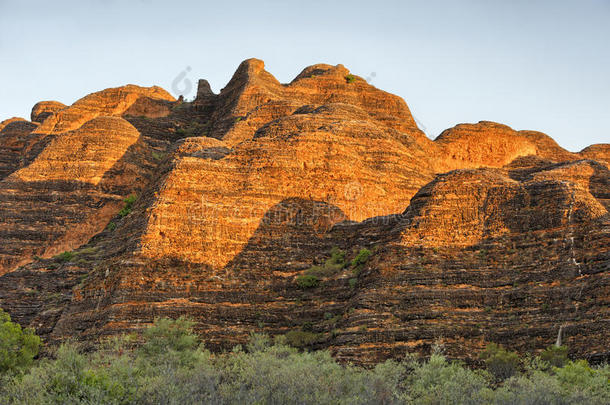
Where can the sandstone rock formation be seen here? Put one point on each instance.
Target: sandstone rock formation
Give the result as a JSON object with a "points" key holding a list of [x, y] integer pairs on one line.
{"points": [[63, 179], [484, 234], [42, 110]]}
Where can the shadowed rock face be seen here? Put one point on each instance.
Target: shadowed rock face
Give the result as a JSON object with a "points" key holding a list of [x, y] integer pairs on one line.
{"points": [[484, 234]]}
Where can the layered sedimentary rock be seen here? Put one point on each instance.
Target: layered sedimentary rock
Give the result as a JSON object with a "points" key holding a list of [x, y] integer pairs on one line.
{"points": [[16, 143], [63, 179], [44, 109], [599, 152], [484, 234], [489, 144]]}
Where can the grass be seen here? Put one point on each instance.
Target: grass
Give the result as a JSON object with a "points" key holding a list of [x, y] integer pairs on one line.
{"points": [[87, 251], [350, 78]]}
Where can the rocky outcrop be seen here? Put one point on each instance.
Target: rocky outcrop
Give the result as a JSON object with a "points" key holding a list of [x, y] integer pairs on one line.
{"points": [[9, 121], [66, 178], [109, 102], [16, 142], [484, 234], [599, 152], [489, 144], [466, 206], [44, 109]]}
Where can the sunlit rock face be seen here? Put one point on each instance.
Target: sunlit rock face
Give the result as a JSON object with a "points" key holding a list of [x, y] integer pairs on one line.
{"points": [[64, 175], [483, 234]]}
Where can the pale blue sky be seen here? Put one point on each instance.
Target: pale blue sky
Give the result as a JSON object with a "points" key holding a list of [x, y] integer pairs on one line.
{"points": [[540, 65]]}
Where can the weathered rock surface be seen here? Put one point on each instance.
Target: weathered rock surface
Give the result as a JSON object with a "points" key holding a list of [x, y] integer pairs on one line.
{"points": [[16, 141], [42, 110], [484, 234], [63, 180], [599, 152]]}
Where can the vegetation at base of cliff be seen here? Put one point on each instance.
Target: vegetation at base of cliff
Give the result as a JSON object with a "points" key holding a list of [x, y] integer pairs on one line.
{"points": [[18, 347], [299, 338], [169, 365]]}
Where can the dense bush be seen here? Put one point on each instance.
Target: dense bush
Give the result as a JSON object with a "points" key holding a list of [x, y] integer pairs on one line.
{"points": [[170, 366], [360, 260], [500, 363], [64, 256], [18, 347], [128, 206], [556, 356], [307, 281], [332, 265], [301, 338]]}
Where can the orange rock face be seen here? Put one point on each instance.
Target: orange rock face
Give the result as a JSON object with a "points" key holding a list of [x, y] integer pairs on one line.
{"points": [[484, 234], [63, 179], [44, 109]]}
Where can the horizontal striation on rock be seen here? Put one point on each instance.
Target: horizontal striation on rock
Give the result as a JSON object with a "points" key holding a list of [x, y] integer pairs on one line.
{"points": [[483, 234]]}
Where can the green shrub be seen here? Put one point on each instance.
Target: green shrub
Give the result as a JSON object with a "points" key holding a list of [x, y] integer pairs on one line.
{"points": [[350, 78], [438, 381], [307, 281], [575, 383], [352, 282], [301, 338], [258, 342], [360, 260], [64, 257], [111, 226], [320, 271], [500, 363], [170, 340], [337, 256], [158, 155], [171, 367], [555, 356], [18, 347], [331, 266], [129, 201], [577, 378]]}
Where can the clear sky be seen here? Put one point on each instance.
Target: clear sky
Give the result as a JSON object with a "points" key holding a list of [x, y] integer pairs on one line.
{"points": [[540, 65]]}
